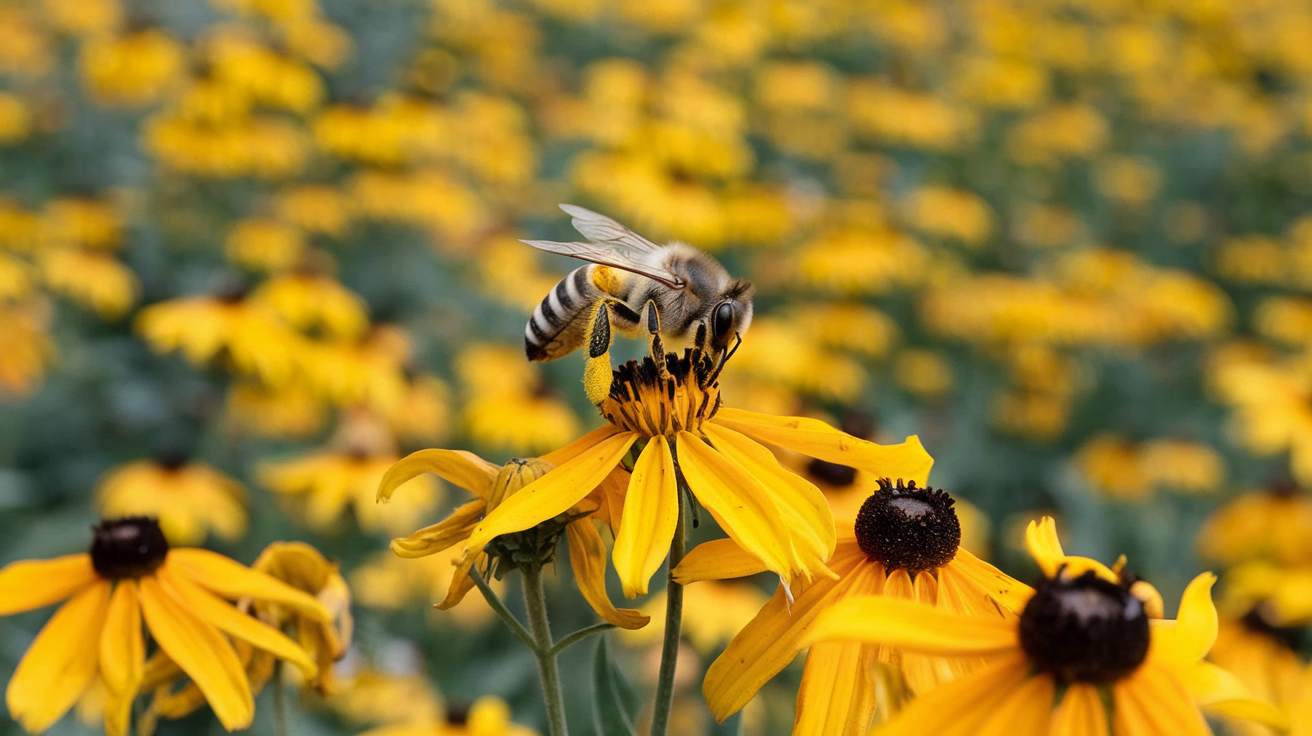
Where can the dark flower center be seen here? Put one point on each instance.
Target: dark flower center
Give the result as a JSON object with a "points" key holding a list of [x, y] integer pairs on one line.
{"points": [[172, 458], [1084, 629], [908, 528], [831, 474], [457, 715], [127, 548], [1258, 621]]}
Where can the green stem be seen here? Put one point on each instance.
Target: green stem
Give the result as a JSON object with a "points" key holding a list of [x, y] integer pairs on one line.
{"points": [[660, 717], [579, 636], [279, 701], [535, 600], [504, 613]]}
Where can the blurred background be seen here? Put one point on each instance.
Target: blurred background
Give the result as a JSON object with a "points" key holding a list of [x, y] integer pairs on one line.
{"points": [[254, 251]]}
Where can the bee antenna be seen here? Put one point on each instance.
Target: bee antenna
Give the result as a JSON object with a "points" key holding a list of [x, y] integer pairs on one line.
{"points": [[724, 359]]}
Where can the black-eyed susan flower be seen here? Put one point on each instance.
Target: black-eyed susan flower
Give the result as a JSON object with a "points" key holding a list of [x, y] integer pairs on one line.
{"points": [[1274, 523], [507, 402], [904, 544], [311, 300], [132, 69], [374, 696], [290, 411], [1083, 657], [205, 328], [1265, 657], [676, 411], [345, 475], [131, 576], [493, 486], [29, 351], [90, 278], [189, 498], [487, 716]]}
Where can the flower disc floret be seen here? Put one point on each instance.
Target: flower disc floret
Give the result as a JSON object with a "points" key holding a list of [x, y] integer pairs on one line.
{"points": [[908, 528], [650, 403], [1084, 629], [127, 548]]}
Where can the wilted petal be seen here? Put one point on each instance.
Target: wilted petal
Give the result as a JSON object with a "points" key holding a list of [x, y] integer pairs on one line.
{"points": [[465, 469], [587, 557]]}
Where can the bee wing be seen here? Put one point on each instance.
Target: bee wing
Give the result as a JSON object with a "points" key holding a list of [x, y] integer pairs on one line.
{"points": [[602, 229], [615, 255]]}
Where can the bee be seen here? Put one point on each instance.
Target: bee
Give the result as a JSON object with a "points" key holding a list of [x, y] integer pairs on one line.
{"points": [[686, 287]]}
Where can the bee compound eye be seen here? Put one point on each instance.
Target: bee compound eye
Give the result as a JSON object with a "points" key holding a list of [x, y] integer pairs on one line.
{"points": [[722, 321]]}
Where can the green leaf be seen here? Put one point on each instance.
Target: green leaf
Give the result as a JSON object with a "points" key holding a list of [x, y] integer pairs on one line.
{"points": [[614, 703]]}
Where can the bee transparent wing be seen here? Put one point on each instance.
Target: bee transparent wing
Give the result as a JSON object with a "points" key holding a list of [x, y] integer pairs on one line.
{"points": [[615, 255], [602, 229]]}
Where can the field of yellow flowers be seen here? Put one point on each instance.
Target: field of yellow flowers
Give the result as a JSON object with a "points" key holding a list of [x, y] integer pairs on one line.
{"points": [[256, 253]]}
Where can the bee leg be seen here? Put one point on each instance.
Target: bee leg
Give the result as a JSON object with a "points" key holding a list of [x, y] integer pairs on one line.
{"points": [[699, 340], [597, 372], [652, 318]]}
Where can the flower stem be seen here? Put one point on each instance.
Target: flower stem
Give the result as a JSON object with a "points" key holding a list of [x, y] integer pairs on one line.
{"points": [[660, 717], [580, 635], [535, 600], [279, 701], [502, 612]]}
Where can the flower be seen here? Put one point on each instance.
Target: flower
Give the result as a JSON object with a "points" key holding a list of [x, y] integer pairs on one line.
{"points": [[131, 575], [494, 486], [689, 438], [1264, 656], [904, 544], [188, 498], [1084, 633], [1274, 523], [487, 716]]}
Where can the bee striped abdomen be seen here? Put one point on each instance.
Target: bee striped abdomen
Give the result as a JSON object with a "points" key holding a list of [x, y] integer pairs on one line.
{"points": [[556, 327]]}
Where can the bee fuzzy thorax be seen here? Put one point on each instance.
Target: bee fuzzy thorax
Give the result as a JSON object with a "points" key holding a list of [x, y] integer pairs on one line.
{"points": [[652, 402]]}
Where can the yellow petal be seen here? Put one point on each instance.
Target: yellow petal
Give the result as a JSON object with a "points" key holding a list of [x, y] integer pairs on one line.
{"points": [[987, 586], [963, 707], [1045, 547], [814, 438], [202, 652], [580, 445], [809, 515], [1027, 709], [742, 510], [717, 559], [223, 616], [1190, 636], [233, 580], [913, 627], [461, 582], [553, 493], [1150, 702], [651, 511], [1080, 713], [122, 656], [33, 584], [465, 469], [1219, 692], [837, 694], [587, 557], [770, 641], [61, 662], [440, 536]]}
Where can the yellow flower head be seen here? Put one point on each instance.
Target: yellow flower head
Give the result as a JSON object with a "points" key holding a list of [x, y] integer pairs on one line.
{"points": [[1086, 639], [190, 499], [487, 716], [905, 545], [494, 486], [129, 576], [1274, 523]]}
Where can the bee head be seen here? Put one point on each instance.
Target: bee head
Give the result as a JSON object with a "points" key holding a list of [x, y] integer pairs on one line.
{"points": [[732, 314]]}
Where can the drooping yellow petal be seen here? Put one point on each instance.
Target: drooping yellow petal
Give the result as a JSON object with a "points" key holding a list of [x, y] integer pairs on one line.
{"points": [[913, 627], [31, 584], [580, 445], [651, 511], [974, 586], [1080, 713], [461, 582], [718, 559], [814, 438], [61, 662], [233, 580], [202, 652], [837, 694], [1190, 636], [440, 536], [220, 614], [742, 510], [553, 493], [587, 557], [770, 641], [963, 707], [465, 469], [1151, 702], [122, 656], [811, 518], [1217, 691]]}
